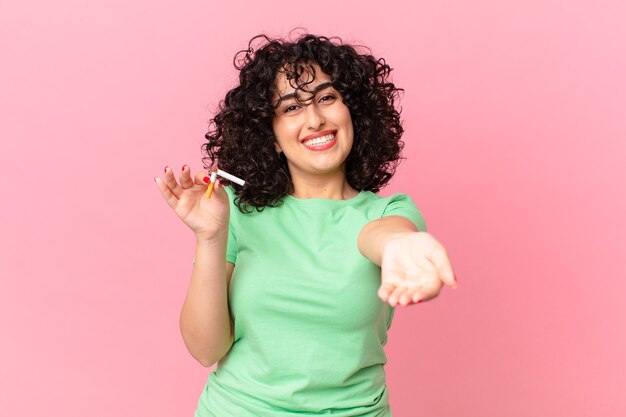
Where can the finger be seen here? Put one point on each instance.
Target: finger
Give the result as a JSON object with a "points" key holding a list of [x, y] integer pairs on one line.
{"points": [[410, 296], [167, 194], [185, 177], [420, 296], [431, 290], [402, 294], [201, 178], [385, 290], [218, 188], [404, 297], [442, 263], [417, 297], [395, 295], [174, 187]]}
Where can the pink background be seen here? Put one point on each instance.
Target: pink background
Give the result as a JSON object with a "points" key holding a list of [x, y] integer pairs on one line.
{"points": [[515, 117]]}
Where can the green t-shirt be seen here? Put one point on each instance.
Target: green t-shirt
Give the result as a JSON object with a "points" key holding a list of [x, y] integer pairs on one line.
{"points": [[309, 327]]}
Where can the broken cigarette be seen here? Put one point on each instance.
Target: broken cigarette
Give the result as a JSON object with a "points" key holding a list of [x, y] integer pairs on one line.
{"points": [[214, 173], [230, 177], [209, 190]]}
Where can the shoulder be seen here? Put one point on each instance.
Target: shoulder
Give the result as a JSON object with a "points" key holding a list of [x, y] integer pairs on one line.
{"points": [[401, 204]]}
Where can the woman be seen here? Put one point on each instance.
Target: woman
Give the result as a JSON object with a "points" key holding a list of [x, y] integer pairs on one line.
{"points": [[297, 273]]}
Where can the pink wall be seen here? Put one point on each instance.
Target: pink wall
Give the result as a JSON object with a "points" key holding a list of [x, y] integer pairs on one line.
{"points": [[515, 117]]}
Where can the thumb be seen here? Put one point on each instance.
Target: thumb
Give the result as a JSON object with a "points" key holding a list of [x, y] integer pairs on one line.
{"points": [[439, 258]]}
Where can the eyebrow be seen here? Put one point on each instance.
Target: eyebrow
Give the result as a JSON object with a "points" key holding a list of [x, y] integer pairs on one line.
{"points": [[315, 91]]}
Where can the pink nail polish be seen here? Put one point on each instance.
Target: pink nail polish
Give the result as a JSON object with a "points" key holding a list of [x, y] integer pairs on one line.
{"points": [[165, 170], [206, 179], [183, 168]]}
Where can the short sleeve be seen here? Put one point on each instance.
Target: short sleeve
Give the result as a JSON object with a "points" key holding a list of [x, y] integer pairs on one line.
{"points": [[402, 205], [231, 246]]}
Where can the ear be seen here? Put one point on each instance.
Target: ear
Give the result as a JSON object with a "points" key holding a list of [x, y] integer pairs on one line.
{"points": [[277, 147]]}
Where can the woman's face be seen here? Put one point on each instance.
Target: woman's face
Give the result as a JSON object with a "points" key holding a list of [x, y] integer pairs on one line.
{"points": [[317, 135]]}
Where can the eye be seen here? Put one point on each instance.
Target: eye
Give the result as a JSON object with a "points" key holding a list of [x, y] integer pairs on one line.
{"points": [[329, 97], [290, 108]]}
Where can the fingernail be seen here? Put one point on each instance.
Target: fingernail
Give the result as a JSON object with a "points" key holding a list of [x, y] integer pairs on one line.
{"points": [[165, 170], [155, 179], [206, 179], [455, 278], [217, 184], [183, 168]]}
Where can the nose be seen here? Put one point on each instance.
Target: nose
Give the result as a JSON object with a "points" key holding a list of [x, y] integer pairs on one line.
{"points": [[314, 117]]}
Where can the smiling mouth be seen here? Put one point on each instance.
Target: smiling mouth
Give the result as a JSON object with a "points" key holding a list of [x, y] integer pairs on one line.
{"points": [[322, 140]]}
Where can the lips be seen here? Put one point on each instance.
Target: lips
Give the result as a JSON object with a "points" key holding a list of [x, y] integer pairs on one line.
{"points": [[322, 146], [318, 135]]}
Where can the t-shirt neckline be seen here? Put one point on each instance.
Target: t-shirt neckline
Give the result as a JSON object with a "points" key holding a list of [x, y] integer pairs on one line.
{"points": [[330, 201]]}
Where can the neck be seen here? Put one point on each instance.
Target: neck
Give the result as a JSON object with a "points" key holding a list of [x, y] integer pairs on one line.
{"points": [[332, 186]]}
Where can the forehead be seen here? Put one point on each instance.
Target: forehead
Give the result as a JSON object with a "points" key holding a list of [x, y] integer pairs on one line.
{"points": [[311, 76]]}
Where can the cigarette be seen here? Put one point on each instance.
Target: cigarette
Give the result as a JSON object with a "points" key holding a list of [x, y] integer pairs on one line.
{"points": [[209, 190], [230, 177]]}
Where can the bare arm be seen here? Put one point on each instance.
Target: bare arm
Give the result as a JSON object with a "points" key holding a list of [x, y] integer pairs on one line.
{"points": [[377, 233], [415, 266], [205, 322], [204, 318]]}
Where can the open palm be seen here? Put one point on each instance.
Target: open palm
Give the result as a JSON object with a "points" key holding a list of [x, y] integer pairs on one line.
{"points": [[414, 268]]}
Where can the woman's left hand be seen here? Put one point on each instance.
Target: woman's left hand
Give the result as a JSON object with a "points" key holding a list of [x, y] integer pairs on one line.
{"points": [[414, 268]]}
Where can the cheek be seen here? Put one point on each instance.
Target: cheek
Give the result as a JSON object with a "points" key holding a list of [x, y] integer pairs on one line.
{"points": [[279, 134], [346, 116], [286, 137], [286, 128], [348, 122]]}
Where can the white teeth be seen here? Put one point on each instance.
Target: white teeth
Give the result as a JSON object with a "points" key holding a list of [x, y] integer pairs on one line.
{"points": [[319, 141]]}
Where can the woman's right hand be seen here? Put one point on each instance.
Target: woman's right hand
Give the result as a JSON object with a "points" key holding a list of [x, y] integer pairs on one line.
{"points": [[206, 217]]}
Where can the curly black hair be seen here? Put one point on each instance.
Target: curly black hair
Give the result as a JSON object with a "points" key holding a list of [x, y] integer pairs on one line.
{"points": [[241, 137]]}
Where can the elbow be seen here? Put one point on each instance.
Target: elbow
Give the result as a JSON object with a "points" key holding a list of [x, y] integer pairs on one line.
{"points": [[204, 359], [207, 359], [206, 362]]}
